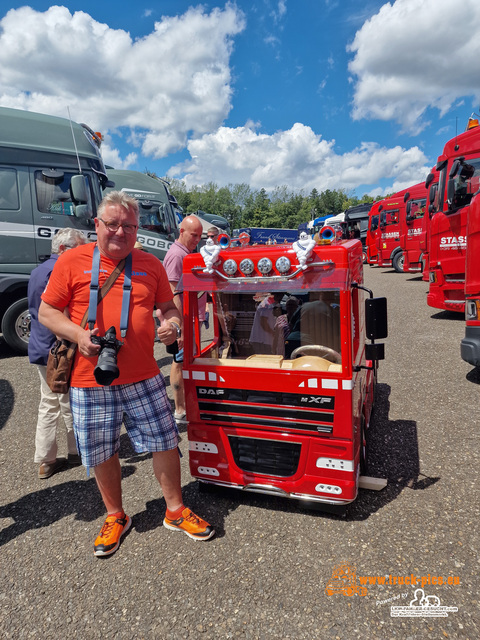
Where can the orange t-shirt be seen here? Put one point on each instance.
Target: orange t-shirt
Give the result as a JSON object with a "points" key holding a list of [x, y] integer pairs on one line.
{"points": [[69, 287]]}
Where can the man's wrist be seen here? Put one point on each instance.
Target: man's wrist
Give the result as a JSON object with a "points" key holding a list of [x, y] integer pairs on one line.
{"points": [[177, 328]]}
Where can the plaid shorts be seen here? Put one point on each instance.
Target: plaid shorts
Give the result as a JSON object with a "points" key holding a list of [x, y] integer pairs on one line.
{"points": [[144, 408]]}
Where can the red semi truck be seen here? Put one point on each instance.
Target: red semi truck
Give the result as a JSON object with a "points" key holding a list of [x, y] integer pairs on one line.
{"points": [[470, 346], [388, 238], [372, 232], [392, 220], [280, 390], [431, 184], [459, 180], [411, 227]]}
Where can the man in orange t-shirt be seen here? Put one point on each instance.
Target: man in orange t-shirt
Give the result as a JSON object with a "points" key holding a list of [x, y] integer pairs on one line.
{"points": [[138, 396]]}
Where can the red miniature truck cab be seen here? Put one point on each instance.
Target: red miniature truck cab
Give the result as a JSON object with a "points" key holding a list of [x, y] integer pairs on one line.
{"points": [[411, 227], [459, 169], [470, 346], [280, 390]]}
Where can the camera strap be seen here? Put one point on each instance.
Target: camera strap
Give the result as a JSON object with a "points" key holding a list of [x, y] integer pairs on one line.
{"points": [[97, 295]]}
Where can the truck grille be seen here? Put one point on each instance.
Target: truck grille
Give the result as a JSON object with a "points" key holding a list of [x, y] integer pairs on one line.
{"points": [[268, 457]]}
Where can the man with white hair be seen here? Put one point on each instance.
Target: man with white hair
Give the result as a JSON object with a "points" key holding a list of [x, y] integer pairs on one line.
{"points": [[52, 405]]}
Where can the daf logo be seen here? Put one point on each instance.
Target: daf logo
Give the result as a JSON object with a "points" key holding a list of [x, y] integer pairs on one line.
{"points": [[314, 400], [210, 392]]}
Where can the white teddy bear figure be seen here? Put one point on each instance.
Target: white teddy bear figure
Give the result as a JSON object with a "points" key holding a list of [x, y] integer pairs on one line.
{"points": [[303, 248], [209, 254]]}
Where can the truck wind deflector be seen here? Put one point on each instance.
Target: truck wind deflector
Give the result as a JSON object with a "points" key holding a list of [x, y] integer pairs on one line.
{"points": [[326, 265]]}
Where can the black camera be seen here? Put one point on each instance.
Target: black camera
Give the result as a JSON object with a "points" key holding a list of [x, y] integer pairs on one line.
{"points": [[106, 370]]}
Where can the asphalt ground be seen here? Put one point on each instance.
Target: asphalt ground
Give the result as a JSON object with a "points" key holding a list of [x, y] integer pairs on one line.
{"points": [[264, 574]]}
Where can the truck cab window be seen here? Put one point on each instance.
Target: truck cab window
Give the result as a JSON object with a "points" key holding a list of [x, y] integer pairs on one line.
{"points": [[9, 199], [53, 194], [392, 217], [153, 218], [467, 182]]}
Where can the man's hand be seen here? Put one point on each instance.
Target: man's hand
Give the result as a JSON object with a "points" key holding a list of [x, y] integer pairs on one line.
{"points": [[86, 346], [166, 332]]}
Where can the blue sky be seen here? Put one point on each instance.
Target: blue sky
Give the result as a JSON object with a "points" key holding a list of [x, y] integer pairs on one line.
{"points": [[305, 94]]}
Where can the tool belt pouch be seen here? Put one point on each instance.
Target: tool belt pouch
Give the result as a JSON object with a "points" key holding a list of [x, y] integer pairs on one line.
{"points": [[60, 365]]}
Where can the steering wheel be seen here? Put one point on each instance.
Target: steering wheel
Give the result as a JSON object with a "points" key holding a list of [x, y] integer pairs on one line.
{"points": [[317, 350]]}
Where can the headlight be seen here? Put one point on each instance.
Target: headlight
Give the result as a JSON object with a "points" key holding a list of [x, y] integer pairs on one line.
{"points": [[283, 264], [230, 267], [472, 309], [247, 266], [264, 266]]}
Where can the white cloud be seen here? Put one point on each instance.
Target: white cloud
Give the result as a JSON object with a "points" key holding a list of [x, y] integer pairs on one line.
{"points": [[414, 55], [162, 88], [112, 158], [298, 158]]}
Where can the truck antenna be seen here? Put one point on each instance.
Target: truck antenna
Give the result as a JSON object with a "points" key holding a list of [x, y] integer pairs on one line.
{"points": [[74, 142]]}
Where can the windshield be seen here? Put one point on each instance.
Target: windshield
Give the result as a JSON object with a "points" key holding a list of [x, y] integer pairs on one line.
{"points": [[288, 324], [153, 217], [466, 182]]}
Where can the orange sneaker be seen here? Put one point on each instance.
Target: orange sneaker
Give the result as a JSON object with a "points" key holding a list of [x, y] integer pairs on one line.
{"points": [[190, 524], [110, 535]]}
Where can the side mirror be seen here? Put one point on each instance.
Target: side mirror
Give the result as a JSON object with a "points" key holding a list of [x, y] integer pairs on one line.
{"points": [[429, 180], [79, 189], [376, 322], [455, 167], [375, 351], [450, 192], [82, 211]]}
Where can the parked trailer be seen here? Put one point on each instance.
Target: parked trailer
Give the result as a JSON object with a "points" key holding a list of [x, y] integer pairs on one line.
{"points": [[263, 235], [280, 395], [51, 177]]}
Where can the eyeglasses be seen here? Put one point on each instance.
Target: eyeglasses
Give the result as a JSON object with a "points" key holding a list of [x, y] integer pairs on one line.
{"points": [[209, 236], [113, 227]]}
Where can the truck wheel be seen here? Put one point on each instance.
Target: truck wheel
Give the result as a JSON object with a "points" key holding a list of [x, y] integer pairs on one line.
{"points": [[16, 326], [398, 261], [364, 257]]}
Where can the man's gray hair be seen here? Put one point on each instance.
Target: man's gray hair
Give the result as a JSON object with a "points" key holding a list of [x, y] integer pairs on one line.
{"points": [[121, 198], [68, 237]]}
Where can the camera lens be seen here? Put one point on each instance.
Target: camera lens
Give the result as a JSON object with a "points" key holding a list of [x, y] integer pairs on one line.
{"points": [[107, 370]]}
